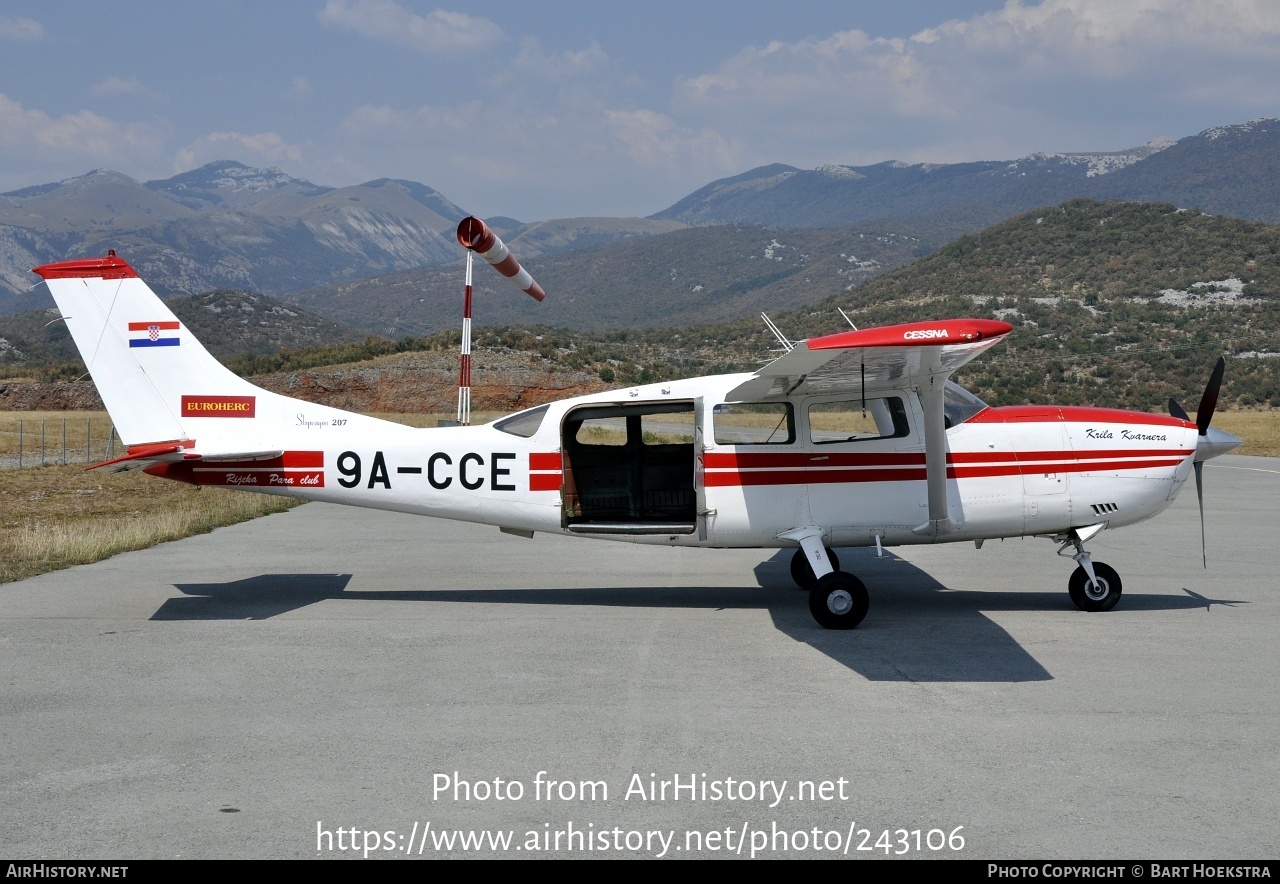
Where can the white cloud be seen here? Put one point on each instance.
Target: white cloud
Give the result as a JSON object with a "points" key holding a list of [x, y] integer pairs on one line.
{"points": [[20, 28], [539, 156], [654, 139], [846, 68], [1152, 22], [533, 61], [438, 33], [114, 85], [36, 143], [1059, 74], [548, 133], [259, 149]]}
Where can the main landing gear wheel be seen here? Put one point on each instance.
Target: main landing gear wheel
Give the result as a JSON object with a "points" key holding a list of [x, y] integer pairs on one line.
{"points": [[838, 601], [802, 571], [1100, 597]]}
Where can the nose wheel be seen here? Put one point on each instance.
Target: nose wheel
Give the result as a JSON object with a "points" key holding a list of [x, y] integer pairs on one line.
{"points": [[1093, 586], [1100, 594]]}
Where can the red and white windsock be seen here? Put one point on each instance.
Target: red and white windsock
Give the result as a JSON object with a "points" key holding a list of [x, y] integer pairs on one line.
{"points": [[476, 236]]}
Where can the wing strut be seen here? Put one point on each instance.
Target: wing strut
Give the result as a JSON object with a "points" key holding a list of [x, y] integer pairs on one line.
{"points": [[935, 452]]}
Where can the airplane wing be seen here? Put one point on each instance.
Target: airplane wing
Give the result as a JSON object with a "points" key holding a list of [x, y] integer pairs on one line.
{"points": [[895, 357], [874, 359]]}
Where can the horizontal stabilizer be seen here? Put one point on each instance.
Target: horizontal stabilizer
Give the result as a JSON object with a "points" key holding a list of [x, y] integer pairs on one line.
{"points": [[140, 457]]}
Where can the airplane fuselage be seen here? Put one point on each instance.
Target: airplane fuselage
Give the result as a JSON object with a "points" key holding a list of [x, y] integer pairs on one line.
{"points": [[857, 438], [1011, 471]]}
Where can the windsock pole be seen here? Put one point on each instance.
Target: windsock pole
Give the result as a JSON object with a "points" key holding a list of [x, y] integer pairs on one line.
{"points": [[475, 236], [464, 372]]}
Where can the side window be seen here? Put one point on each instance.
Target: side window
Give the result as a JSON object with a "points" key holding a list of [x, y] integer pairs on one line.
{"points": [[675, 428], [763, 423], [602, 431], [847, 420], [523, 423], [663, 428]]}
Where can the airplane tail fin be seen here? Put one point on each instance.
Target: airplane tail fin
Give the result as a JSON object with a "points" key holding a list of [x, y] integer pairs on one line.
{"points": [[152, 374]]}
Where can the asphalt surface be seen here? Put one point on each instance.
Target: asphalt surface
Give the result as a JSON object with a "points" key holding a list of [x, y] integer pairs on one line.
{"points": [[264, 690]]}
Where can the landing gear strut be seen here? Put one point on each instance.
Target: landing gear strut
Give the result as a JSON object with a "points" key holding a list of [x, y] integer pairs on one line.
{"points": [[802, 571], [837, 599], [1093, 586]]}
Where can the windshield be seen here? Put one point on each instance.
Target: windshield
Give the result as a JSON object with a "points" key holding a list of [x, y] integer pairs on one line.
{"points": [[959, 404]]}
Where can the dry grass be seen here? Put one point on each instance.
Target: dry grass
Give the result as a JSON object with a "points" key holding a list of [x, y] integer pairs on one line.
{"points": [[95, 423], [1260, 430], [58, 516]]}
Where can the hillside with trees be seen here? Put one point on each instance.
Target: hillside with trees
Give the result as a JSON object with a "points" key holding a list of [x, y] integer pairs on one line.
{"points": [[1112, 303]]}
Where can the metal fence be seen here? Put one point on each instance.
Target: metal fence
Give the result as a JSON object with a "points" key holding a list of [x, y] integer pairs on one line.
{"points": [[28, 442]]}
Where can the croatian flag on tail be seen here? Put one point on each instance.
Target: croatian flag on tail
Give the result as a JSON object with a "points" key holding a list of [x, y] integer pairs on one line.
{"points": [[153, 334]]}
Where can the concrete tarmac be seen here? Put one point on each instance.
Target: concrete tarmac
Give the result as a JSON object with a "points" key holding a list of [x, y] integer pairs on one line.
{"points": [[289, 686]]}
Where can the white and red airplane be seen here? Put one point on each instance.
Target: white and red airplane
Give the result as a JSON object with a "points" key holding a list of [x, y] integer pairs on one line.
{"points": [[856, 439]]}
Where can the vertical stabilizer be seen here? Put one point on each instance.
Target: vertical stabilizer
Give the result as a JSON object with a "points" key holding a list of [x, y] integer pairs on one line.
{"points": [[149, 369]]}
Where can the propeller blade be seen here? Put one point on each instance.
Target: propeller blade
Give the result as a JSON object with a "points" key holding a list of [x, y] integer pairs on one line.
{"points": [[1204, 554], [1209, 402], [1208, 446]]}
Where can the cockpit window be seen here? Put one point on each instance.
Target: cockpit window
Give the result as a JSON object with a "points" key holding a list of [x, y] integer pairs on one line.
{"points": [[959, 404], [858, 420], [523, 423]]}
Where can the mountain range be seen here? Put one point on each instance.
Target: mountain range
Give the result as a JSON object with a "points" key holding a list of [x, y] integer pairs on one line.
{"points": [[1228, 170], [363, 255], [226, 225]]}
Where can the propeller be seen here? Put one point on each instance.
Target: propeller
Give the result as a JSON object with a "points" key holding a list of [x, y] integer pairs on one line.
{"points": [[1209, 401], [1210, 444]]}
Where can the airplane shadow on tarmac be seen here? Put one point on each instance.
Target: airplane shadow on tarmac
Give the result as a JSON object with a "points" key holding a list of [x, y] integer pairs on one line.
{"points": [[255, 598], [917, 630]]}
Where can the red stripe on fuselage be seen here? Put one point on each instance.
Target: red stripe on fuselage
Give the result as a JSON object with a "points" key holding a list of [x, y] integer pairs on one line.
{"points": [[545, 471], [548, 460], [817, 461], [1074, 414], [545, 481], [727, 470], [293, 459], [811, 477]]}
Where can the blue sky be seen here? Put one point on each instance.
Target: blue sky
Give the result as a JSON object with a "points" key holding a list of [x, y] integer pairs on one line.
{"points": [[555, 109]]}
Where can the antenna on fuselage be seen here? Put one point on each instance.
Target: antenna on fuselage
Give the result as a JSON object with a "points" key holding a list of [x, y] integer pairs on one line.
{"points": [[787, 345]]}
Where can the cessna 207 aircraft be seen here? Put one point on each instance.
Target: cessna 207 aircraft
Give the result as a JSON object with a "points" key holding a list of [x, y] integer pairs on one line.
{"points": [[855, 439]]}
